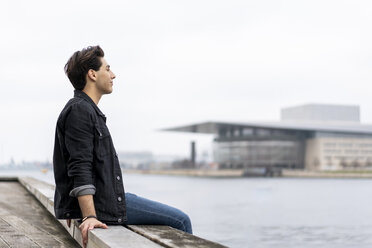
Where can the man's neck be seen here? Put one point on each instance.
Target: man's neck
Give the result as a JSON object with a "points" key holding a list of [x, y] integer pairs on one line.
{"points": [[94, 95]]}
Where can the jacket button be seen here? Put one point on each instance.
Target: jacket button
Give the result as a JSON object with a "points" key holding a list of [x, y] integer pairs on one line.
{"points": [[118, 177], [119, 198], [68, 215], [119, 220]]}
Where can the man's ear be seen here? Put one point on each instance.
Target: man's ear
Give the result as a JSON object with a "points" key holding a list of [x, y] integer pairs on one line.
{"points": [[92, 75]]}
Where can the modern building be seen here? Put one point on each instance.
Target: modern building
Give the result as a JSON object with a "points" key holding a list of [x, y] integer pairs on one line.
{"points": [[312, 136]]}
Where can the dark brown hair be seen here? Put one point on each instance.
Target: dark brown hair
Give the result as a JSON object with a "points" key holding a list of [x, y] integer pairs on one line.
{"points": [[81, 62]]}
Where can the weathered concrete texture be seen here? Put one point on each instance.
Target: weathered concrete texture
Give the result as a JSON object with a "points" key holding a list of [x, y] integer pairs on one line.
{"points": [[116, 236], [25, 223], [172, 238]]}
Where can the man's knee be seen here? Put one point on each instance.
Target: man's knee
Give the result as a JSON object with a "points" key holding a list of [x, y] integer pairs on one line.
{"points": [[186, 222]]}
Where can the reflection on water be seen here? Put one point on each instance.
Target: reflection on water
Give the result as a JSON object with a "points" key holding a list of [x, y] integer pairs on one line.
{"points": [[260, 212]]}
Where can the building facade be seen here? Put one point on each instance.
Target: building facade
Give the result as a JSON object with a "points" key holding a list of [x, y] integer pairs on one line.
{"points": [[313, 137]]}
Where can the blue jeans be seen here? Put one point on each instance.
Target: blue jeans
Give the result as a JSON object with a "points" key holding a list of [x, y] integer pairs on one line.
{"points": [[141, 211]]}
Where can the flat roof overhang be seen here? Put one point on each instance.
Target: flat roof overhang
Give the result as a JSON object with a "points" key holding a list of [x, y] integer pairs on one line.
{"points": [[212, 127]]}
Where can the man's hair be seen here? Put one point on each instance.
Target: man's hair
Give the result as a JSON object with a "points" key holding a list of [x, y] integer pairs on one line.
{"points": [[81, 62]]}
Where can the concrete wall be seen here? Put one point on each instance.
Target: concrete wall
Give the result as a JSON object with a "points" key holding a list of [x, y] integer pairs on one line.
{"points": [[338, 153]]}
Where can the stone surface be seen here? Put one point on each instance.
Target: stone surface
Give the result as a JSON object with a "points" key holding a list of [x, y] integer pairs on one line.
{"points": [[135, 236], [114, 237], [118, 236], [172, 238]]}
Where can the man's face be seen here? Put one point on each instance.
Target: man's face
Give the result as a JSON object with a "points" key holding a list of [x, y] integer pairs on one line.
{"points": [[105, 78]]}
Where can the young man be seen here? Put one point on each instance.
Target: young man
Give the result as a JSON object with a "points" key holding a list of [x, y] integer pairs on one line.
{"points": [[89, 184]]}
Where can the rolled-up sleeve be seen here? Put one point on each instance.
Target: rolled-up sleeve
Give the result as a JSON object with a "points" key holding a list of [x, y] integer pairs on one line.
{"points": [[83, 190], [79, 141]]}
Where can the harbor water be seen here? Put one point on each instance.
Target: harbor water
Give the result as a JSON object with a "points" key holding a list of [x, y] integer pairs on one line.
{"points": [[262, 212]]}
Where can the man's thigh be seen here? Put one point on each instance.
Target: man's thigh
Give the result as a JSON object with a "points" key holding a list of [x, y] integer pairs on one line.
{"points": [[142, 211]]}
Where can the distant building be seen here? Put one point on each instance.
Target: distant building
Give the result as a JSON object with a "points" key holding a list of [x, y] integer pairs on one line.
{"points": [[313, 137], [144, 160], [135, 160], [321, 112]]}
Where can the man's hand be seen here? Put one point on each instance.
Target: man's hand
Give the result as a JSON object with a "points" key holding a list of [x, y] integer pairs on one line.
{"points": [[87, 209], [89, 224]]}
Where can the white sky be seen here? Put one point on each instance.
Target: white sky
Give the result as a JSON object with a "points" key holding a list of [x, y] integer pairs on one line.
{"points": [[179, 62]]}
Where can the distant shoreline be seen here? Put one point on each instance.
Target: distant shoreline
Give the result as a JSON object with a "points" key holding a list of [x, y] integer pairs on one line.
{"points": [[189, 172], [327, 174], [228, 173]]}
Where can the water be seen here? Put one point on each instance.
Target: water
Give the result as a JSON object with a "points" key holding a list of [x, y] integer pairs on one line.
{"points": [[264, 212]]}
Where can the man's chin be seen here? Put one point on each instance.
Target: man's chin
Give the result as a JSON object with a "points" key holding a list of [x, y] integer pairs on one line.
{"points": [[108, 92]]}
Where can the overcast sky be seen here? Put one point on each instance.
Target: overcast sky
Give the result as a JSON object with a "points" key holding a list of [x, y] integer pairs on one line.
{"points": [[179, 62]]}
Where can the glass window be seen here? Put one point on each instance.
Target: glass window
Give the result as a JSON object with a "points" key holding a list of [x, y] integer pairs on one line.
{"points": [[247, 131]]}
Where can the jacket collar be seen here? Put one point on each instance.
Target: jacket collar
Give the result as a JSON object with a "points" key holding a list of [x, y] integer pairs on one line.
{"points": [[81, 94]]}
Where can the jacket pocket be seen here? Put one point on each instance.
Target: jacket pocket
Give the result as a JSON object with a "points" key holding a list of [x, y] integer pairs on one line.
{"points": [[103, 142]]}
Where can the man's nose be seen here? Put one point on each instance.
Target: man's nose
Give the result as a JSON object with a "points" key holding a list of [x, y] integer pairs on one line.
{"points": [[113, 75]]}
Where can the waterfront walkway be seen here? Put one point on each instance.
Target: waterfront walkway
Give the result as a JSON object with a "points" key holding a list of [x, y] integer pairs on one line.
{"points": [[27, 220], [25, 223]]}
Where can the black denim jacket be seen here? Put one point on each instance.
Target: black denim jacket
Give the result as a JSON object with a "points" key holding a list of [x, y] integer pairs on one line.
{"points": [[84, 155]]}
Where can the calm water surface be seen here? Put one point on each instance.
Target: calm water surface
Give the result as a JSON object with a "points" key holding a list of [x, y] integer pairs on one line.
{"points": [[260, 212]]}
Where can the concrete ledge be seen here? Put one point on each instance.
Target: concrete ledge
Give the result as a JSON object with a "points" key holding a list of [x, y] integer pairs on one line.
{"points": [[117, 236], [172, 238]]}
